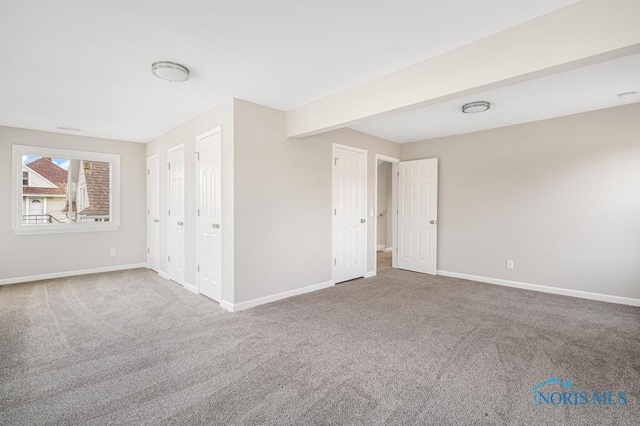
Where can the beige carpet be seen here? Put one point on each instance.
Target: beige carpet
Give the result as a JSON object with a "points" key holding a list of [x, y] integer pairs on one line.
{"points": [[384, 261], [400, 348]]}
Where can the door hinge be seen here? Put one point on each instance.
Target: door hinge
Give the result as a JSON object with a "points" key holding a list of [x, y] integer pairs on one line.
{"points": [[335, 212], [335, 161], [169, 212], [335, 261], [148, 211], [169, 166], [398, 174], [197, 156], [198, 212], [168, 258], [198, 268], [148, 173], [148, 250]]}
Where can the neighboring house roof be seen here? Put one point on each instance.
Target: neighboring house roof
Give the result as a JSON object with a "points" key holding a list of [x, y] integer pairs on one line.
{"points": [[51, 172], [96, 177], [96, 174]]}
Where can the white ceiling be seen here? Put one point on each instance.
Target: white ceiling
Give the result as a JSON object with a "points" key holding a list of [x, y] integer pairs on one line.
{"points": [[86, 64], [585, 89]]}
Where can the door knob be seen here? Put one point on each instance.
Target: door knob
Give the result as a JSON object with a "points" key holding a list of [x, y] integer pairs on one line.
{"points": [[155, 221], [180, 223], [363, 220], [434, 222], [215, 226]]}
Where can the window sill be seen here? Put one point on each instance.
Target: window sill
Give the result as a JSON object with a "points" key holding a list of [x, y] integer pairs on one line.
{"points": [[64, 229]]}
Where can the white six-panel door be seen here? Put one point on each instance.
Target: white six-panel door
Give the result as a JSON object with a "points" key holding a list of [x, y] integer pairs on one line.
{"points": [[418, 215], [209, 241], [176, 258], [349, 214], [153, 213]]}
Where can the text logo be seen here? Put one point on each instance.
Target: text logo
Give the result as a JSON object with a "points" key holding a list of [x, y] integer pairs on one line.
{"points": [[569, 395]]}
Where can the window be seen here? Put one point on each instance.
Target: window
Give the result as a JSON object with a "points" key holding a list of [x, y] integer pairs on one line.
{"points": [[75, 191]]}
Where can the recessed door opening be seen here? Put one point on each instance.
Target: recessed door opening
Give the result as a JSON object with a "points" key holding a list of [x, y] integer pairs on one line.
{"points": [[385, 208]]}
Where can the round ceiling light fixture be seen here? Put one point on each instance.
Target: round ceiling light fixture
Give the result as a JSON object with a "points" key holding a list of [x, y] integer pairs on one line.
{"points": [[628, 95], [475, 107], [170, 71]]}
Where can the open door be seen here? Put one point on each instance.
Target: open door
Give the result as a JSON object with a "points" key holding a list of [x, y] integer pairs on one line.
{"points": [[418, 215]]}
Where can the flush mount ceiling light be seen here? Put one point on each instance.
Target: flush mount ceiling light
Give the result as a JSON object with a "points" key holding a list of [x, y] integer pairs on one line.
{"points": [[628, 95], [475, 107], [170, 71]]}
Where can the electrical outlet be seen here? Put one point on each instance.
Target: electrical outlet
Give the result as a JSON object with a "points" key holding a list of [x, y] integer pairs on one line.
{"points": [[510, 264], [112, 252]]}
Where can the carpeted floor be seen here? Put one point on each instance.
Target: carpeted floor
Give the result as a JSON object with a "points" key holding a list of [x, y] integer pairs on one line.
{"points": [[399, 348]]}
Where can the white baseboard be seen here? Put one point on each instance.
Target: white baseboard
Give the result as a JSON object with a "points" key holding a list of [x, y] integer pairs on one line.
{"points": [[380, 247], [389, 249], [30, 278], [370, 274], [192, 288], [163, 275], [236, 307], [545, 289], [226, 305]]}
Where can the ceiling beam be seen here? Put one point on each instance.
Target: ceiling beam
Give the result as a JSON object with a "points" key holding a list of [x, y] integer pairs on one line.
{"points": [[585, 33]]}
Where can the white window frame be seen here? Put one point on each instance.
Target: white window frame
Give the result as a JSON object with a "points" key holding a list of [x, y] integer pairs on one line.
{"points": [[19, 228]]}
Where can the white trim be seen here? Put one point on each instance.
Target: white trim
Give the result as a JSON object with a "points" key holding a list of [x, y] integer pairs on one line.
{"points": [[153, 157], [236, 307], [394, 182], [349, 148], [163, 275], [192, 288], [545, 289], [64, 274], [366, 204], [226, 305], [370, 274]]}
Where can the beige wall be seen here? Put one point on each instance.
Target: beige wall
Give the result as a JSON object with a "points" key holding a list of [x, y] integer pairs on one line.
{"points": [[28, 255], [560, 197], [283, 202], [220, 115]]}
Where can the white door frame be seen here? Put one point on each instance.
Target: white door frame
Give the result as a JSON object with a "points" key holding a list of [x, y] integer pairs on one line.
{"points": [[169, 151], [333, 206], [153, 157], [394, 208], [217, 129]]}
